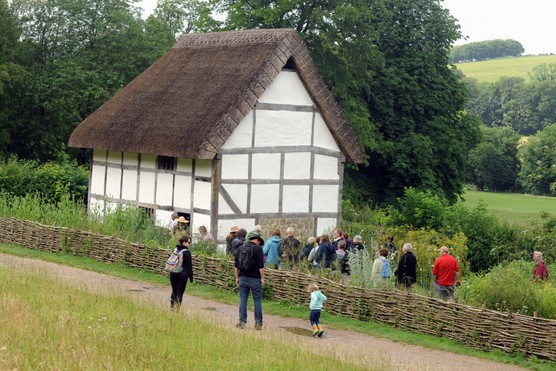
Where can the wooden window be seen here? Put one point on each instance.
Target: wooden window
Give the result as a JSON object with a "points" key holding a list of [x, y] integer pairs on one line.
{"points": [[149, 212], [166, 163]]}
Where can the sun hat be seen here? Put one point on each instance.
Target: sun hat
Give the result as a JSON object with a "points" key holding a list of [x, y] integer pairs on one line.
{"points": [[181, 219], [234, 229]]}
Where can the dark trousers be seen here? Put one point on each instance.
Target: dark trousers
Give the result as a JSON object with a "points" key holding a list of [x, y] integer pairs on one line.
{"points": [[314, 316], [178, 282]]}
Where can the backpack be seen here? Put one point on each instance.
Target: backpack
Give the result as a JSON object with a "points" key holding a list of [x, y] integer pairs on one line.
{"points": [[385, 271], [244, 258], [174, 264]]}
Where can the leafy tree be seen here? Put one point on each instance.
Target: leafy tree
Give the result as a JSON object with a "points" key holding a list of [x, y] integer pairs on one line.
{"points": [[483, 50], [544, 72], [493, 163], [538, 171]]}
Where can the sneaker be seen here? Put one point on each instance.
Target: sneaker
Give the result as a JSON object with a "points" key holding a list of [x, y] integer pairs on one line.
{"points": [[258, 326], [240, 325], [320, 331]]}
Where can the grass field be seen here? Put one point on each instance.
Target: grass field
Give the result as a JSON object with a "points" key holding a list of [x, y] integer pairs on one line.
{"points": [[492, 70], [514, 208]]}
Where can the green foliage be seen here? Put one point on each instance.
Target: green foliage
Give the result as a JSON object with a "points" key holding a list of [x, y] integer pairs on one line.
{"points": [[419, 210], [538, 173], [51, 181], [484, 50], [508, 287]]}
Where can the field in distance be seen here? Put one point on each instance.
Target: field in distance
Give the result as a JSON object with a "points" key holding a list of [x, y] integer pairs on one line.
{"points": [[493, 69], [515, 208]]}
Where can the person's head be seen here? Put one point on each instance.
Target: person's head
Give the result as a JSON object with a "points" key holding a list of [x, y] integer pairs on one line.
{"points": [[407, 247], [345, 235], [311, 241], [242, 232], [174, 215], [312, 287], [444, 250], [185, 241], [391, 238], [383, 252], [324, 238], [203, 230], [537, 256], [233, 231], [336, 233], [182, 220], [341, 245], [276, 232], [289, 231], [357, 239], [255, 237]]}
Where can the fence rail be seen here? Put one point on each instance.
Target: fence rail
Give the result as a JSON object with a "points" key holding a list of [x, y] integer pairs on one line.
{"points": [[476, 327]]}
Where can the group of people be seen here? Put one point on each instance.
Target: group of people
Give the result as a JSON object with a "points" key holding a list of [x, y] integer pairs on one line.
{"points": [[251, 254], [179, 227]]}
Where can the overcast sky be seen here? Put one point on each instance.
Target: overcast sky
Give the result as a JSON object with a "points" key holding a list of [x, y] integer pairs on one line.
{"points": [[530, 22]]}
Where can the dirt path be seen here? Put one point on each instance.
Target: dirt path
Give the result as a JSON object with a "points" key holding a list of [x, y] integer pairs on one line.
{"points": [[372, 352]]}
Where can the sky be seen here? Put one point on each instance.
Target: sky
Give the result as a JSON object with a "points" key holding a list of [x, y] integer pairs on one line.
{"points": [[530, 22]]}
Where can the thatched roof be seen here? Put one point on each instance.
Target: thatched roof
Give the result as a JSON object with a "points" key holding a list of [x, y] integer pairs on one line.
{"points": [[189, 102]]}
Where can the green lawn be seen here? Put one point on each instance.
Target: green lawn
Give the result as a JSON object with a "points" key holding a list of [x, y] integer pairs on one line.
{"points": [[514, 208], [493, 69]]}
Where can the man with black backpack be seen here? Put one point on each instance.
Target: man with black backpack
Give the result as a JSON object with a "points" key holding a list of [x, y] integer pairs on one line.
{"points": [[249, 271]]}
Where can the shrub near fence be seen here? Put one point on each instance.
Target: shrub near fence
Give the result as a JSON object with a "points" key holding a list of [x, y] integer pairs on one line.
{"points": [[476, 327]]}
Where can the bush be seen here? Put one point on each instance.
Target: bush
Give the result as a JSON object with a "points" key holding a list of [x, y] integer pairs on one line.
{"points": [[508, 288]]}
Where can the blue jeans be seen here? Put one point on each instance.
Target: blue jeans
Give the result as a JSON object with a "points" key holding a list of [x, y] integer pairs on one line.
{"points": [[314, 316], [247, 284]]}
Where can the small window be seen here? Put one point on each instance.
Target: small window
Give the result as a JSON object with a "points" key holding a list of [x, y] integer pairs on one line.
{"points": [[166, 163], [149, 212]]}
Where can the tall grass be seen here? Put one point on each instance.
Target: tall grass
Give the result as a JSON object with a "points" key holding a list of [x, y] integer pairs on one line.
{"points": [[75, 329]]}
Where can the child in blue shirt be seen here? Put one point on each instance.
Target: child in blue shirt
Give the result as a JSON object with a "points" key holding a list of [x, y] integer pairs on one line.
{"points": [[317, 300]]}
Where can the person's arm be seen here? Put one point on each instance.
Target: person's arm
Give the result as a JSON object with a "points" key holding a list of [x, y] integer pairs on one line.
{"points": [[189, 265], [458, 278], [261, 271], [237, 276]]}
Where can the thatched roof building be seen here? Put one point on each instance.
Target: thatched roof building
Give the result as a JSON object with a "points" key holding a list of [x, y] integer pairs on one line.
{"points": [[189, 102]]}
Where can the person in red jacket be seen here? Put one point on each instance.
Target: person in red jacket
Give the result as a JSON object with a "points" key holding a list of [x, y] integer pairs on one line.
{"points": [[446, 274], [541, 270]]}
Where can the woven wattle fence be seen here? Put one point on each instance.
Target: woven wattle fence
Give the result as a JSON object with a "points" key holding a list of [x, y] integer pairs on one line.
{"points": [[476, 327]]}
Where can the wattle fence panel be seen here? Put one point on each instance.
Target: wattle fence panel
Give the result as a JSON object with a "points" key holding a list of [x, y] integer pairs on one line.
{"points": [[476, 327]]}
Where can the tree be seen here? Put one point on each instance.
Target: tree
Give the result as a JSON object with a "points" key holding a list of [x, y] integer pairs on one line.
{"points": [[483, 50], [538, 170], [493, 164]]}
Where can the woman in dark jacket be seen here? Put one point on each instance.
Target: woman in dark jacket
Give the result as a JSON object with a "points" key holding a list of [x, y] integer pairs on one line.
{"points": [[326, 253], [238, 241], [406, 273], [179, 280]]}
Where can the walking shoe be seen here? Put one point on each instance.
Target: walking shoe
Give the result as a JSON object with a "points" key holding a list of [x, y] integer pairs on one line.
{"points": [[240, 325], [258, 326], [315, 330], [320, 331]]}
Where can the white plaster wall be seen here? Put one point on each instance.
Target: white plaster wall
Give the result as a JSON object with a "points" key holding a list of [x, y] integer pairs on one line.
{"points": [[203, 168], [241, 137], [164, 190], [184, 164], [287, 88], [322, 136], [264, 198], [96, 207], [223, 207], [297, 165], [113, 180], [163, 218], [283, 128], [238, 193], [326, 225], [235, 166], [202, 194], [148, 161], [265, 166], [146, 187], [199, 220], [182, 191], [295, 199], [99, 155], [326, 167], [114, 157], [97, 179], [325, 198], [130, 158], [129, 185]]}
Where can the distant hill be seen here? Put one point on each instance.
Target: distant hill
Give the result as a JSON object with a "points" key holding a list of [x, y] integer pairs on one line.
{"points": [[493, 69]]}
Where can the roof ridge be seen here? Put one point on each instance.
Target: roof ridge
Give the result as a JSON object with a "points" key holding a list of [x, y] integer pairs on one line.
{"points": [[238, 37]]}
